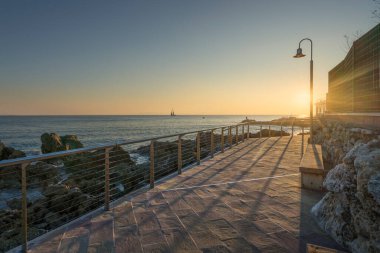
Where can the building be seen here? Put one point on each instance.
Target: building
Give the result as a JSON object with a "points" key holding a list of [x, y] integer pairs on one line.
{"points": [[354, 85]]}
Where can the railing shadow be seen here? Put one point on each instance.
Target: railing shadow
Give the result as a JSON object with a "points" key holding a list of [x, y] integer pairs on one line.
{"points": [[225, 192]]}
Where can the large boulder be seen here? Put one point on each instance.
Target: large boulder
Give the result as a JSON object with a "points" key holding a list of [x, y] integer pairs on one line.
{"points": [[53, 142], [71, 142], [350, 211], [9, 152], [10, 177], [42, 174]]}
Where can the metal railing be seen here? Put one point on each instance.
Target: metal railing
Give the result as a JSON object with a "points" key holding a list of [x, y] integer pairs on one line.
{"points": [[75, 182]]}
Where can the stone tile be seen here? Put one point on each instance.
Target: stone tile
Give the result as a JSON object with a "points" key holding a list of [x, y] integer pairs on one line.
{"points": [[152, 237], [157, 199], [147, 221], [225, 233], [100, 247], [179, 240], [170, 222], [264, 242], [76, 232], [205, 239], [50, 245], [218, 224], [127, 240], [184, 212], [196, 203], [287, 240], [193, 223], [156, 248], [266, 226], [178, 204], [162, 211], [239, 244], [101, 238], [123, 215], [244, 226], [74, 244], [216, 249]]}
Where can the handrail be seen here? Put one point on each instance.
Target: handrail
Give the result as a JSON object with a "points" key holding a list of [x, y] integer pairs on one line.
{"points": [[28, 159]]}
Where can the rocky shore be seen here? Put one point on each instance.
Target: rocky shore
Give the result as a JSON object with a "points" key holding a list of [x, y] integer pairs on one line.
{"points": [[350, 211], [60, 190]]}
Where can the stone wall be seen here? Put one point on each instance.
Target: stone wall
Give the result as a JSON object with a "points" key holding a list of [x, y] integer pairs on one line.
{"points": [[350, 211]]}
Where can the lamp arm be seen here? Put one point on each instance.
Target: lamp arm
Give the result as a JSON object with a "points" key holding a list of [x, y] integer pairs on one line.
{"points": [[311, 44]]}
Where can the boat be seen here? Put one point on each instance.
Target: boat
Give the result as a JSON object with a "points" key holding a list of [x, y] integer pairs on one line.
{"points": [[172, 114]]}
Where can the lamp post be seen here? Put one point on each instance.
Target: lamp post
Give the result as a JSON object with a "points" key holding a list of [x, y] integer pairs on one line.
{"points": [[299, 54]]}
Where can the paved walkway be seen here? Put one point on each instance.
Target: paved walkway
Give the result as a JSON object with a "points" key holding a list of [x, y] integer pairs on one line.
{"points": [[245, 200]]}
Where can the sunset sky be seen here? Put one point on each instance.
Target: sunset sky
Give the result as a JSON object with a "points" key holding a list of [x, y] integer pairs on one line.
{"points": [[147, 57]]}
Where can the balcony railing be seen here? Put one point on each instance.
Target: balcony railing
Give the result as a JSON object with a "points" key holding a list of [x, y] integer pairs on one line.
{"points": [[46, 191]]}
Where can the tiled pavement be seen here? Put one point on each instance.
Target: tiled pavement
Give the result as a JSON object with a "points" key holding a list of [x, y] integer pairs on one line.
{"points": [[245, 200]]}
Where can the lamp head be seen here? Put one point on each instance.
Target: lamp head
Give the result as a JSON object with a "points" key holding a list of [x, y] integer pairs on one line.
{"points": [[299, 53]]}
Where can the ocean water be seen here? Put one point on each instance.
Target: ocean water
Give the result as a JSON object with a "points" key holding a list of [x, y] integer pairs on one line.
{"points": [[24, 132]]}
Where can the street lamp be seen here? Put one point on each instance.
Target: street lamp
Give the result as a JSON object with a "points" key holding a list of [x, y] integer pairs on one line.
{"points": [[299, 54]]}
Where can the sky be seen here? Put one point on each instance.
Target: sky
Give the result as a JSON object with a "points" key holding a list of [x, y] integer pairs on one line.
{"points": [[77, 57]]}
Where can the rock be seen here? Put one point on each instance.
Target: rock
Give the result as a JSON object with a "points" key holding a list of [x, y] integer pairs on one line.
{"points": [[56, 190], [16, 154], [53, 142], [9, 152], [2, 146], [366, 166], [358, 149], [14, 204], [367, 132], [10, 176], [374, 187], [350, 211], [339, 179], [42, 174], [355, 130], [265, 133], [119, 155], [71, 142]]}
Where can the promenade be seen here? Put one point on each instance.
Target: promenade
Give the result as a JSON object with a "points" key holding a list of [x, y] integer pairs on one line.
{"points": [[247, 199]]}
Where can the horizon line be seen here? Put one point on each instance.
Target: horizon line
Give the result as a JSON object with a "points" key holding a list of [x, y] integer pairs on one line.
{"points": [[178, 115]]}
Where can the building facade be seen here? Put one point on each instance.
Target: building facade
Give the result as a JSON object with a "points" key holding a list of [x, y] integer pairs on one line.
{"points": [[354, 84]]}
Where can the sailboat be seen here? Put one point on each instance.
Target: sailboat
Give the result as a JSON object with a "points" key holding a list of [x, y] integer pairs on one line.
{"points": [[172, 113]]}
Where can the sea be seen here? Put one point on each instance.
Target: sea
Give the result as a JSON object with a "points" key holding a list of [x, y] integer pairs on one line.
{"points": [[24, 132]]}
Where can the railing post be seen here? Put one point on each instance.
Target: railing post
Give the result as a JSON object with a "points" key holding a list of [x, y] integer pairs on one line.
{"points": [[237, 134], [292, 127], [303, 136], [151, 170], [222, 140], [212, 146], [24, 206], [179, 154], [248, 136], [261, 128], [269, 131], [281, 129], [199, 148], [107, 179], [242, 132], [230, 135]]}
